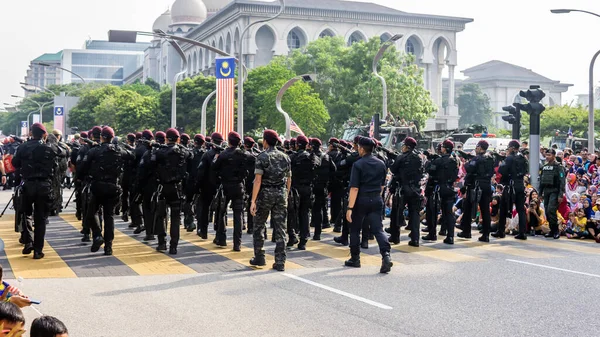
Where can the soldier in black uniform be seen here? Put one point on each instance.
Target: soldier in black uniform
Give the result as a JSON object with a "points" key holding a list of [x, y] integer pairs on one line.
{"points": [[34, 162], [61, 172], [207, 182], [191, 195], [171, 163], [323, 174], [444, 171], [185, 140], [513, 170], [231, 167], [344, 168], [408, 172], [303, 165], [104, 164], [431, 211], [144, 187], [552, 185], [249, 144], [336, 187], [480, 170], [127, 178], [367, 181], [94, 136]]}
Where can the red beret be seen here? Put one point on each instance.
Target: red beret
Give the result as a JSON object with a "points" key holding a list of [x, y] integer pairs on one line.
{"points": [[286, 142], [172, 134], [39, 127], [514, 143], [147, 134], [108, 132], [216, 137], [233, 136], [130, 137], [270, 136], [302, 140], [356, 139], [83, 134], [293, 141], [96, 130], [161, 134], [448, 144], [138, 135], [342, 142], [248, 141], [185, 136], [333, 141], [483, 144], [316, 142], [199, 139], [410, 142]]}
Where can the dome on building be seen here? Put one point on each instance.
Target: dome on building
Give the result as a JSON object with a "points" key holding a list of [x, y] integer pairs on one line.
{"points": [[215, 5], [163, 22], [188, 12]]}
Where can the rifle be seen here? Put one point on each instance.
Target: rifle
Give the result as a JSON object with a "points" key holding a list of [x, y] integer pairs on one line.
{"points": [[475, 195], [68, 201], [20, 218], [465, 155], [8, 204], [217, 147]]}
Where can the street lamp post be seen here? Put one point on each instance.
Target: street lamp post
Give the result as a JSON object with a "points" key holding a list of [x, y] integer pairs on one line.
{"points": [[306, 78], [241, 58], [204, 106], [378, 57], [38, 104], [591, 117], [63, 69], [177, 76], [23, 85]]}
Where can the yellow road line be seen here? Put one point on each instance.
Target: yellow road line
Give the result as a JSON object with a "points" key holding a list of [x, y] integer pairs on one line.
{"points": [[341, 253], [439, 254], [504, 249], [143, 259], [243, 257], [575, 247], [51, 266]]}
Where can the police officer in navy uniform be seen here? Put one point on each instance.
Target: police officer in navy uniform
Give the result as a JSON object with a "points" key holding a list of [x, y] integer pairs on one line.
{"points": [[367, 182], [104, 164], [408, 172], [207, 182], [513, 170], [249, 144], [478, 180], [552, 185], [444, 171], [34, 161]]}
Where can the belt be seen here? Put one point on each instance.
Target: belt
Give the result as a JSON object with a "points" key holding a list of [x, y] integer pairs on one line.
{"points": [[272, 186], [369, 194]]}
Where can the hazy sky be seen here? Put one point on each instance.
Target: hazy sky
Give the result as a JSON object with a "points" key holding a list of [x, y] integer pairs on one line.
{"points": [[520, 32]]}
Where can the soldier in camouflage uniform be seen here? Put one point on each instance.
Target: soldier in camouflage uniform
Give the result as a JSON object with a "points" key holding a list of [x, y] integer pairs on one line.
{"points": [[269, 195]]}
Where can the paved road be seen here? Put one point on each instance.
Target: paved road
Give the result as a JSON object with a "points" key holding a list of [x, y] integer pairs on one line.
{"points": [[508, 287]]}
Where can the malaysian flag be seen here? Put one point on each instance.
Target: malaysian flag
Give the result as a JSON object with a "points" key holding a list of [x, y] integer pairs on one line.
{"points": [[59, 118], [570, 133], [225, 73], [294, 127], [372, 127]]}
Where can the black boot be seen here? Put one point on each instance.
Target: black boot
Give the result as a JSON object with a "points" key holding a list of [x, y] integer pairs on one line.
{"points": [[86, 238], [139, 230], [337, 229], [354, 259], [484, 238], [98, 242], [258, 261], [125, 217], [499, 235], [394, 240], [464, 235], [162, 247], [520, 236], [292, 241], [429, 237], [108, 250], [449, 240], [28, 249], [341, 240], [413, 243], [302, 244], [386, 263]]}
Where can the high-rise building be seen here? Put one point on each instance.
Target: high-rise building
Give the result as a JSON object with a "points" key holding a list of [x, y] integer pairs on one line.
{"points": [[44, 76]]}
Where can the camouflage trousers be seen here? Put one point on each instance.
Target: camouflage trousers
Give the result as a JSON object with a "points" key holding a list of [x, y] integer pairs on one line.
{"points": [[271, 200]]}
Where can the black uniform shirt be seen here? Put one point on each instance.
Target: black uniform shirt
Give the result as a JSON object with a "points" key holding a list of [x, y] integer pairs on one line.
{"points": [[368, 174]]}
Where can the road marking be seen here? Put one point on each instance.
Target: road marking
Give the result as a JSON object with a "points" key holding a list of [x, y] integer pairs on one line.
{"points": [[504, 249], [554, 268], [439, 254], [51, 266], [243, 257], [142, 258], [575, 247], [339, 292], [341, 253]]}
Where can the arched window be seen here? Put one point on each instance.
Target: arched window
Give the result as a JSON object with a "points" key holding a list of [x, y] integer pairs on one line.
{"points": [[293, 40], [355, 37], [410, 47]]}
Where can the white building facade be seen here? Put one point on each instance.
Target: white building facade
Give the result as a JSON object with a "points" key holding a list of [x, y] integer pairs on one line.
{"points": [[220, 23]]}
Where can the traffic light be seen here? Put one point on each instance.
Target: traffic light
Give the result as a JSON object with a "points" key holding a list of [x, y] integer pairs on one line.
{"points": [[534, 108], [514, 119]]}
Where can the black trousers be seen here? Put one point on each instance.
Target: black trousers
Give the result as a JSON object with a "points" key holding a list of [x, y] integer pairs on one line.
{"points": [[173, 196], [368, 208], [234, 193], [206, 199], [484, 208], [37, 201], [448, 219], [78, 187], [337, 195], [411, 198], [304, 207], [506, 209], [320, 203], [125, 197], [105, 195], [551, 204], [147, 211]]}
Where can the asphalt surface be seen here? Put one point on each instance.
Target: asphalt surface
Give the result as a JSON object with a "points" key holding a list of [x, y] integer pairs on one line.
{"points": [[507, 288]]}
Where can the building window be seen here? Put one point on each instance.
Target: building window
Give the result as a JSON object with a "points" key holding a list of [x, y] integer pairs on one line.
{"points": [[410, 47], [355, 37], [293, 40]]}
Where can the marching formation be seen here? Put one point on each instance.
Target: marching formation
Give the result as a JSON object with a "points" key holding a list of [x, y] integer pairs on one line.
{"points": [[154, 180]]}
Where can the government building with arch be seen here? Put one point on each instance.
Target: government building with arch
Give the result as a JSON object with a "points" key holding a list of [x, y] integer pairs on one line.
{"points": [[219, 23]]}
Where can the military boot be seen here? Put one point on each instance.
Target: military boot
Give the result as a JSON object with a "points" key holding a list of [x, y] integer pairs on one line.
{"points": [[258, 261], [108, 249], [125, 217], [302, 244], [343, 240], [386, 263], [354, 259]]}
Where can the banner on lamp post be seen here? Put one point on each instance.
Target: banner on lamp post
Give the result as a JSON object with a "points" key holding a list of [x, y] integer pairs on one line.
{"points": [[59, 118], [225, 73], [35, 118], [24, 128]]}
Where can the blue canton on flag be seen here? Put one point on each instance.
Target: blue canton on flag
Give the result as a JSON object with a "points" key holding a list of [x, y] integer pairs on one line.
{"points": [[294, 127]]}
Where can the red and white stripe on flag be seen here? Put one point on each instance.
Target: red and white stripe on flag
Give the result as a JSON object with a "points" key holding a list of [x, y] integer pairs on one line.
{"points": [[225, 105]]}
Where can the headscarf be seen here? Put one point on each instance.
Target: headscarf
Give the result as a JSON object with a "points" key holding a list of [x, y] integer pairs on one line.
{"points": [[588, 210], [564, 208]]}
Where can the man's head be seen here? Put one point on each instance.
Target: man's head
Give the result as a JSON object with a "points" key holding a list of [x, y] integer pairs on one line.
{"points": [[172, 135], [96, 132], [270, 138], [550, 155], [525, 144], [333, 141], [234, 139], [199, 140], [447, 146], [482, 147], [147, 135], [365, 146], [161, 137], [248, 142], [185, 139], [11, 317], [57, 133], [130, 138], [48, 326], [216, 138], [513, 146], [107, 134], [316, 144], [293, 144], [301, 141], [38, 131], [409, 144]]}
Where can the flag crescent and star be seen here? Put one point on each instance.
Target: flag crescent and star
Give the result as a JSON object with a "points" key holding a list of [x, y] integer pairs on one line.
{"points": [[225, 73]]}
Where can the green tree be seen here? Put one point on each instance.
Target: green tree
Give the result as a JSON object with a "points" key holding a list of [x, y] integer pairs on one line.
{"points": [[560, 118], [82, 115], [473, 106], [152, 84], [300, 101], [142, 89], [348, 87]]}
